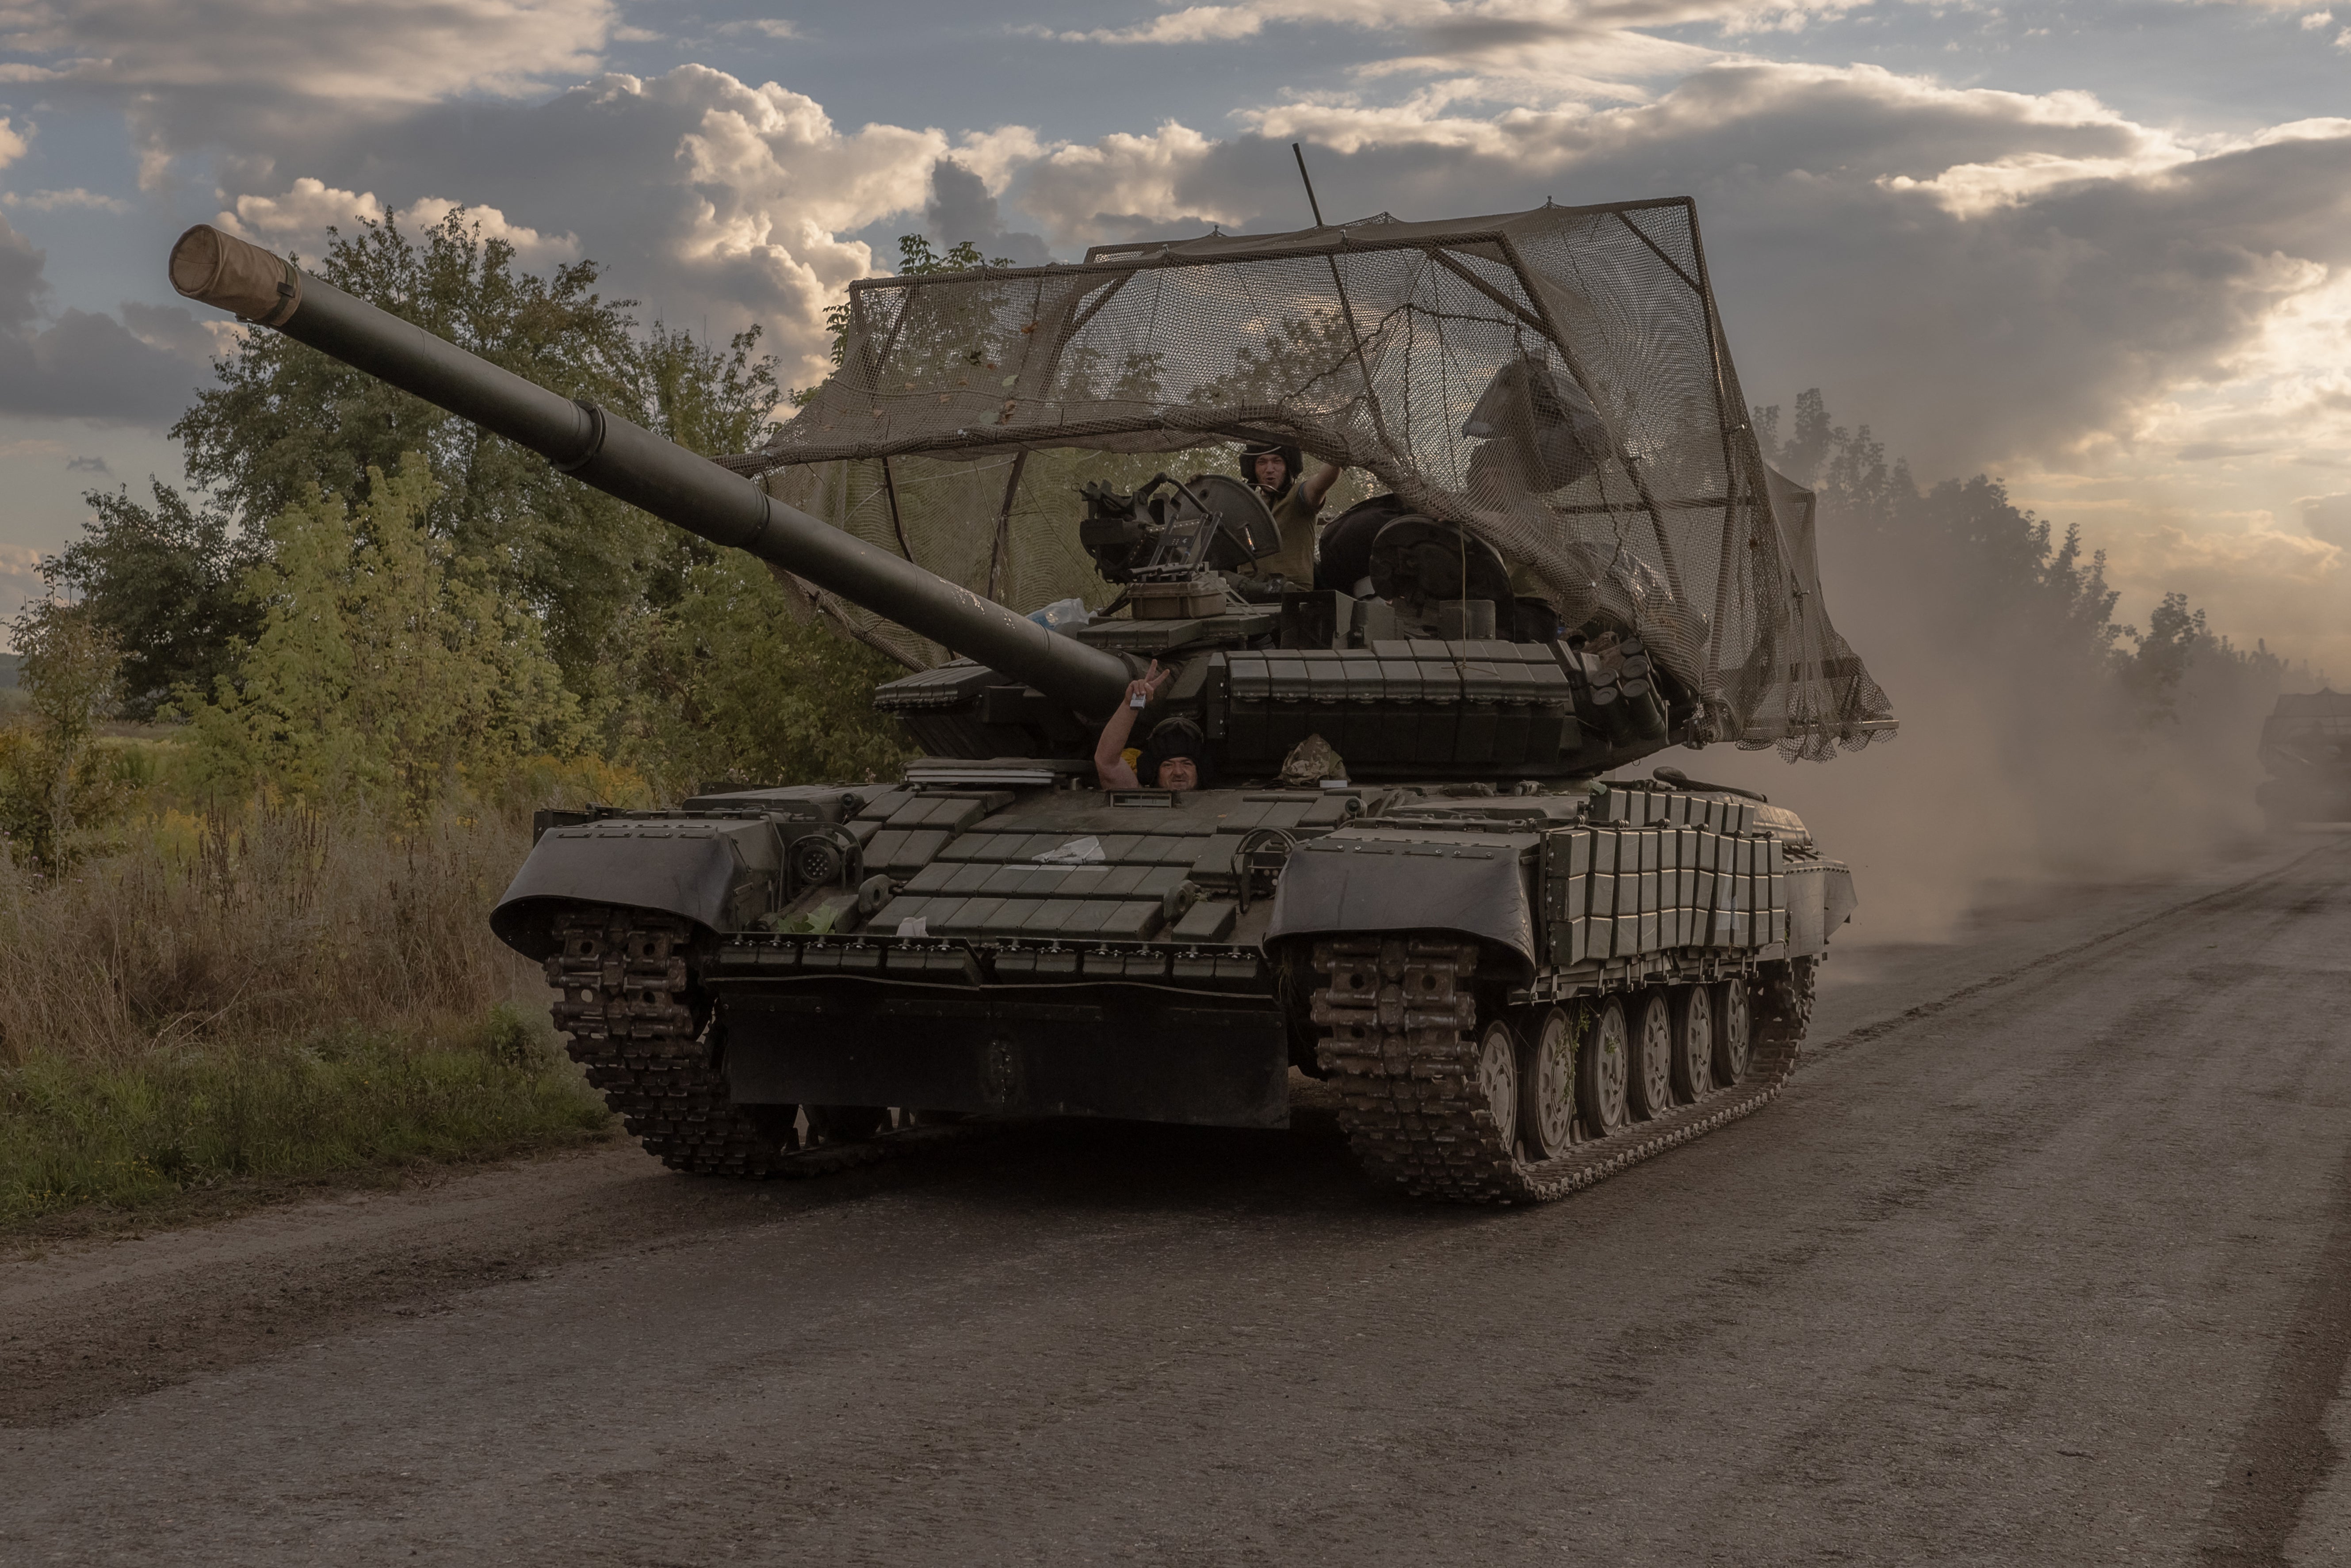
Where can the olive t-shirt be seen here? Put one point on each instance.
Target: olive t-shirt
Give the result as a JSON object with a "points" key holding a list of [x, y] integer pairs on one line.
{"points": [[1295, 519]]}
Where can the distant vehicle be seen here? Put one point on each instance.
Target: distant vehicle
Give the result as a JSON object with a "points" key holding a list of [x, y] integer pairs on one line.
{"points": [[1391, 864], [2307, 752]]}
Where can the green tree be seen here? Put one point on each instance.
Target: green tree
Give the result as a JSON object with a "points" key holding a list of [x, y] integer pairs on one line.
{"points": [[915, 256], [387, 667], [54, 784], [701, 397], [705, 399], [288, 422], [2160, 660], [726, 681], [748, 690], [164, 583]]}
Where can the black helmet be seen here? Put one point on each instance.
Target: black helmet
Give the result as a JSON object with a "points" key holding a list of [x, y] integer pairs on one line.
{"points": [[1171, 737], [1292, 462]]}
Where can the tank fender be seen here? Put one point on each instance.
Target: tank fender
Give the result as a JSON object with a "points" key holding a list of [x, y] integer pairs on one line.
{"points": [[1337, 886], [721, 876], [1820, 899]]}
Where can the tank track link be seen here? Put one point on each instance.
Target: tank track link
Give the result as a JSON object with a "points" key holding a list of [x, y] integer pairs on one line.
{"points": [[625, 1005], [1399, 1015]]}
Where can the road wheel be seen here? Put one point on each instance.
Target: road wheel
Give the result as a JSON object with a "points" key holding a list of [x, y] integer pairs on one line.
{"points": [[1731, 1032], [1498, 1075], [845, 1123], [1651, 1063], [1599, 1072], [1693, 1043], [1547, 1088]]}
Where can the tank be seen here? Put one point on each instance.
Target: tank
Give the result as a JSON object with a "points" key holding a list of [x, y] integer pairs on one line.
{"points": [[2306, 752], [1420, 867]]}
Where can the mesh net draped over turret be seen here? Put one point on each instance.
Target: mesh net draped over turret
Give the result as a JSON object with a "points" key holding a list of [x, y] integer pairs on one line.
{"points": [[1555, 381]]}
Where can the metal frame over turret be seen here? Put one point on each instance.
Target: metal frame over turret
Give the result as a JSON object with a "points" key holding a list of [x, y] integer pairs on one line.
{"points": [[1555, 383]]}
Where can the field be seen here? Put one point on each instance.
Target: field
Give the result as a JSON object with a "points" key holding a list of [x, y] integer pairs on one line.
{"points": [[216, 1005]]}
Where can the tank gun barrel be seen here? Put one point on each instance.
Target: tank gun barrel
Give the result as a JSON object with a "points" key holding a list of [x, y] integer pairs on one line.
{"points": [[632, 463]]}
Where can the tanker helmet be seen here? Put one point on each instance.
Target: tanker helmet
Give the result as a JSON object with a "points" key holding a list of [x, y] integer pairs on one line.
{"points": [[1171, 738], [1292, 462]]}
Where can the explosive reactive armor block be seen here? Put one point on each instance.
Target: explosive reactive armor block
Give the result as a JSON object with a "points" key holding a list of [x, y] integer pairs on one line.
{"points": [[1617, 891]]}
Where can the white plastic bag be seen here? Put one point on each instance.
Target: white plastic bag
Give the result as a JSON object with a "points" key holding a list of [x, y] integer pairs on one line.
{"points": [[1063, 615]]}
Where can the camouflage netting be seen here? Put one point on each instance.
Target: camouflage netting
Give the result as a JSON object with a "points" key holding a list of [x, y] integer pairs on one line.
{"points": [[1555, 381]]}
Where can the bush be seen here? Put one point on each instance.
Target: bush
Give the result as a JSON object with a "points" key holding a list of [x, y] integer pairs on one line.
{"points": [[56, 783], [386, 669]]}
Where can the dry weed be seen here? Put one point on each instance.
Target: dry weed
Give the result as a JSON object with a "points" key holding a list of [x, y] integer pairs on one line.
{"points": [[267, 920], [268, 995]]}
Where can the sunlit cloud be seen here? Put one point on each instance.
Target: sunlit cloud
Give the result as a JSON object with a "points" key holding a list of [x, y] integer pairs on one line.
{"points": [[2258, 548], [1455, 30], [309, 207]]}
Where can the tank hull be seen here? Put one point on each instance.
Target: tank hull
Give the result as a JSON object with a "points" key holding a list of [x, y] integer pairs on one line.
{"points": [[1001, 940], [2285, 802], [2305, 749]]}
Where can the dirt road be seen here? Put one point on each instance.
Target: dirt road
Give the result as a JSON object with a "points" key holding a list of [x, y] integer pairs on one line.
{"points": [[2045, 1257]]}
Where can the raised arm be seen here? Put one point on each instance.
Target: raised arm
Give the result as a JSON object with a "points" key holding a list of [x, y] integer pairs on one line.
{"points": [[1111, 770], [1316, 486]]}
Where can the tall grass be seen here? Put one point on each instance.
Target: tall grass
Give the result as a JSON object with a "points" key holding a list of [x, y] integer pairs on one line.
{"points": [[267, 992]]}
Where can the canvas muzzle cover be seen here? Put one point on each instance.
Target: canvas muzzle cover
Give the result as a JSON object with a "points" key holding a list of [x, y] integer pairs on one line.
{"points": [[222, 270]]}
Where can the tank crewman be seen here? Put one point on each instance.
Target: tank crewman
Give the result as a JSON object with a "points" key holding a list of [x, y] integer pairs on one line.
{"points": [[1175, 757], [1295, 502]]}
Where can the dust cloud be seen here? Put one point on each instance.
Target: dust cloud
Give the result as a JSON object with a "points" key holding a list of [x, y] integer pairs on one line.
{"points": [[2023, 759]]}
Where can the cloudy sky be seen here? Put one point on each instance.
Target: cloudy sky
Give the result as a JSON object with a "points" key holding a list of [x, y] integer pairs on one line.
{"points": [[2095, 246]]}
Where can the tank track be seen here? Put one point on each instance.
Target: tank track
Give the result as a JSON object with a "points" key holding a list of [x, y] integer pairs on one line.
{"points": [[625, 1005], [1399, 1015]]}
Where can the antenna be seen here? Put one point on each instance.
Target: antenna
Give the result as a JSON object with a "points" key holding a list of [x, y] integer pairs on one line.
{"points": [[1300, 154]]}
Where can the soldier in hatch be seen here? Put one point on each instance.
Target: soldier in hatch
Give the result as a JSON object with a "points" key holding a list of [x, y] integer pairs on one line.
{"points": [[1175, 757], [1296, 503]]}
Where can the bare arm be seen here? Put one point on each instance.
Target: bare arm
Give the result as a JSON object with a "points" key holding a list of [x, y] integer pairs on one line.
{"points": [[1315, 485], [1111, 770]]}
